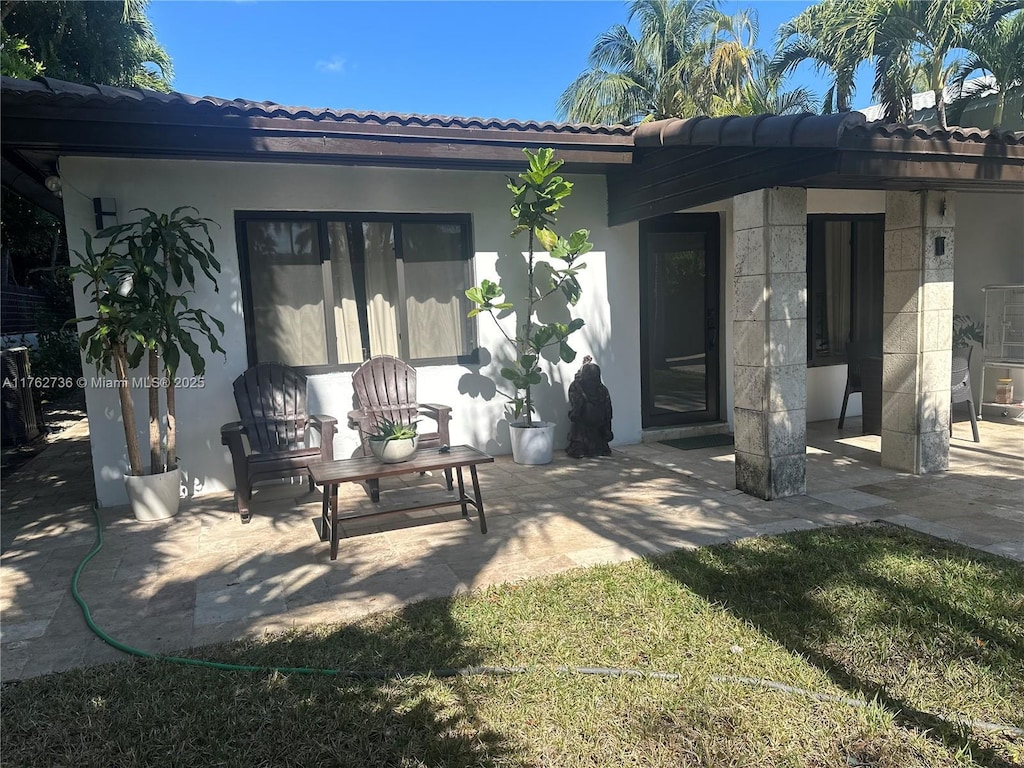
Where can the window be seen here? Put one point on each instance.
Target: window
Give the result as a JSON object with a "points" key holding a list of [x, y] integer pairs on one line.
{"points": [[327, 290], [844, 279]]}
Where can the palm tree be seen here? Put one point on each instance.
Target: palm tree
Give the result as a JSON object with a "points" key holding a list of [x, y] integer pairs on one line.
{"points": [[905, 35], [111, 42], [762, 94], [732, 53], [663, 72], [831, 36], [997, 49]]}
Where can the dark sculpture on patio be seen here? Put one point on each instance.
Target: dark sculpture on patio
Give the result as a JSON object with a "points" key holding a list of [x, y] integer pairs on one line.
{"points": [[590, 413]]}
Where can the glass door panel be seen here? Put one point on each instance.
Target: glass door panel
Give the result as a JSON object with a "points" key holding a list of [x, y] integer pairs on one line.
{"points": [[679, 320]]}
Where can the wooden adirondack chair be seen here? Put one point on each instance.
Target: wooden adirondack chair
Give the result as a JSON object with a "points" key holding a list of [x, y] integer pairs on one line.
{"points": [[271, 400], [385, 388]]}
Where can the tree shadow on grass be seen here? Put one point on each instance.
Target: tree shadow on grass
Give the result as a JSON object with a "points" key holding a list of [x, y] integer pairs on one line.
{"points": [[160, 713], [776, 587]]}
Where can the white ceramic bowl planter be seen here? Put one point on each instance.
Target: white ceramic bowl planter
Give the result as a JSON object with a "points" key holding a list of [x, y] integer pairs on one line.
{"points": [[532, 445], [393, 450], [154, 497]]}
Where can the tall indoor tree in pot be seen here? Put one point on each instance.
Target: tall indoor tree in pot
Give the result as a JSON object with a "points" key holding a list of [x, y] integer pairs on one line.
{"points": [[139, 284], [536, 198]]}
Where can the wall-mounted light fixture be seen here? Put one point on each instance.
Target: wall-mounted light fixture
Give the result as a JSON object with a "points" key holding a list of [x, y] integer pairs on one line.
{"points": [[105, 209], [53, 184]]}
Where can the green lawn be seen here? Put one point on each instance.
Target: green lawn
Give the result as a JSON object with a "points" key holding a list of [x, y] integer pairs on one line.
{"points": [[930, 632]]}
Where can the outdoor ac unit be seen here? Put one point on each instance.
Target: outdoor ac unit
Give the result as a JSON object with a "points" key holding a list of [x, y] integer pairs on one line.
{"points": [[19, 410]]}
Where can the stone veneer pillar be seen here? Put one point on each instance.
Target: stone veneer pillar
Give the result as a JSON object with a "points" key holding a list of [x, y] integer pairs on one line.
{"points": [[770, 342], [917, 334]]}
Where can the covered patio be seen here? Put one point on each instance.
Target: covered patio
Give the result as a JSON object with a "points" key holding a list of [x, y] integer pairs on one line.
{"points": [[203, 578]]}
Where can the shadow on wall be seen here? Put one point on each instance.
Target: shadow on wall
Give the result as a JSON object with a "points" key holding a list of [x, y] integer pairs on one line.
{"points": [[484, 380]]}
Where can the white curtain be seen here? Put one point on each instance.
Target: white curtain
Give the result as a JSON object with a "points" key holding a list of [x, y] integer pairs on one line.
{"points": [[287, 292], [435, 319], [837, 280], [381, 288], [346, 309], [435, 278]]}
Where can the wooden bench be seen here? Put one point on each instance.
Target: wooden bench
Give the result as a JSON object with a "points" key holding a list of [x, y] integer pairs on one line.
{"points": [[331, 474]]}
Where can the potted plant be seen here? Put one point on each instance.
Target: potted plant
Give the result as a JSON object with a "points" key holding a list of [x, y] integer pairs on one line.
{"points": [[536, 198], [139, 284], [393, 442]]}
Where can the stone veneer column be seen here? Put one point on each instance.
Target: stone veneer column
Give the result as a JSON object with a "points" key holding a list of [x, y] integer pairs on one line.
{"points": [[770, 342], [917, 334]]}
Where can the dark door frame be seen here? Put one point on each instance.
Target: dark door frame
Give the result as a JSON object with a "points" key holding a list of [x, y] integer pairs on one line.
{"points": [[710, 225]]}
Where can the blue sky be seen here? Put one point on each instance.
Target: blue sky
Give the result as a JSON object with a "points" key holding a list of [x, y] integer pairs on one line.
{"points": [[485, 59]]}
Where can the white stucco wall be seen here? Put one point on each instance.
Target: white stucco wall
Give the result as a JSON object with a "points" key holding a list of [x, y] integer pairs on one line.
{"points": [[609, 302], [989, 251]]}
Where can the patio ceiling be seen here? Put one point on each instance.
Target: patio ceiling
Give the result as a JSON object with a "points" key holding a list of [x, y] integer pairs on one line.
{"points": [[680, 164]]}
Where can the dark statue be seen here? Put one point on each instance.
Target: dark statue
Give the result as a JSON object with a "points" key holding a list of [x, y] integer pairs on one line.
{"points": [[590, 413]]}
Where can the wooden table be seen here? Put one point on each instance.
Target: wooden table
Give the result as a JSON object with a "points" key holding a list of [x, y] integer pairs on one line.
{"points": [[331, 474]]}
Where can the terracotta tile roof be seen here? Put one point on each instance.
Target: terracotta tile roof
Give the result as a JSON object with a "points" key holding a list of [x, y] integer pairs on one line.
{"points": [[803, 130], [48, 90], [953, 133]]}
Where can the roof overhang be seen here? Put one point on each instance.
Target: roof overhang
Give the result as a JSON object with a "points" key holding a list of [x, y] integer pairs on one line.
{"points": [[680, 164], [658, 167], [44, 119]]}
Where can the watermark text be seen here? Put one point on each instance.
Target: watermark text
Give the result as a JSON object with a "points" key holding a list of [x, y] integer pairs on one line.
{"points": [[98, 382]]}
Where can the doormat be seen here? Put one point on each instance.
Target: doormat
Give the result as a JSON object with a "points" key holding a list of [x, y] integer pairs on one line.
{"points": [[701, 441]]}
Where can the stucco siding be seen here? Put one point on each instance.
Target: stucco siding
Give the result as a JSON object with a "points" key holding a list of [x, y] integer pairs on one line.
{"points": [[989, 251], [609, 302]]}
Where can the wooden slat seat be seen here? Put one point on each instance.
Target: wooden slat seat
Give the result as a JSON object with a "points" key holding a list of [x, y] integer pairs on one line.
{"points": [[271, 400], [385, 388]]}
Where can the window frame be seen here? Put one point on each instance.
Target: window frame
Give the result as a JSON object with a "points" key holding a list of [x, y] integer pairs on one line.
{"points": [[822, 361], [321, 220]]}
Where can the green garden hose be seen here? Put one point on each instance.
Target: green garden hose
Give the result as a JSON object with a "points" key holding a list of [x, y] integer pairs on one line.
{"points": [[462, 671]]}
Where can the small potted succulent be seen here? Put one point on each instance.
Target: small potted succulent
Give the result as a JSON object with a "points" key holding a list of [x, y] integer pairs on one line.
{"points": [[393, 442]]}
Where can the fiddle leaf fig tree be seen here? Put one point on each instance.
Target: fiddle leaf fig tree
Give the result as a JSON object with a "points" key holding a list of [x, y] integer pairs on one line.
{"points": [[537, 196], [139, 284]]}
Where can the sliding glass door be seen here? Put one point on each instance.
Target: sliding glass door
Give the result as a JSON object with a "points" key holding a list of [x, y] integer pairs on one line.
{"points": [[679, 320]]}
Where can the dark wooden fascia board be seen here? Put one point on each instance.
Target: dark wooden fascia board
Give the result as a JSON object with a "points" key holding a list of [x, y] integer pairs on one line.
{"points": [[241, 142], [200, 116], [954, 171], [933, 146], [632, 196], [74, 120]]}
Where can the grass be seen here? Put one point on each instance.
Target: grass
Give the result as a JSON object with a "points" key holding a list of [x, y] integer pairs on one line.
{"points": [[928, 631]]}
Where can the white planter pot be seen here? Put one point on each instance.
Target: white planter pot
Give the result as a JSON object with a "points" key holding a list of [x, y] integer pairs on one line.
{"points": [[532, 445], [154, 497], [393, 451]]}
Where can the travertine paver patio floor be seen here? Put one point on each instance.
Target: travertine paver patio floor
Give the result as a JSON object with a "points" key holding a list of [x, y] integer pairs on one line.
{"points": [[202, 577]]}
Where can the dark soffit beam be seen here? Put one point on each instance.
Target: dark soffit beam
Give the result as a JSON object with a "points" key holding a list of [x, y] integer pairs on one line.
{"points": [[712, 177], [672, 179]]}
